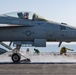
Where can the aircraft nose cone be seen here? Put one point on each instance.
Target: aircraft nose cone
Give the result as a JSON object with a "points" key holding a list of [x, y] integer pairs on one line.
{"points": [[2, 51]]}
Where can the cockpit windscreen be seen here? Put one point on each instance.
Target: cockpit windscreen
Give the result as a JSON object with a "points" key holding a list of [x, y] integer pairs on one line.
{"points": [[24, 15]]}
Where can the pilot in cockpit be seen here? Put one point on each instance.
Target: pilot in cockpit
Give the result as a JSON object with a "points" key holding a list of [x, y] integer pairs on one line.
{"points": [[26, 15]]}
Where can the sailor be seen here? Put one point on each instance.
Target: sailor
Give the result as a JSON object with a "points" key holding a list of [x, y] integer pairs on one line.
{"points": [[64, 50], [27, 50], [36, 51]]}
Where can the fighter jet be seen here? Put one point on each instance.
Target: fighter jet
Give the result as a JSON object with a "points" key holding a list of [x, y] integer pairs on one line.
{"points": [[31, 29]]}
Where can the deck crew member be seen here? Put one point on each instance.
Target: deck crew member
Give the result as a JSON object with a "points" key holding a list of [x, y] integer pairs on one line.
{"points": [[64, 50], [36, 51]]}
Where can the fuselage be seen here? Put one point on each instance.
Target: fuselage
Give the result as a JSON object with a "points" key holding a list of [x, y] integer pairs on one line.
{"points": [[34, 30], [47, 30]]}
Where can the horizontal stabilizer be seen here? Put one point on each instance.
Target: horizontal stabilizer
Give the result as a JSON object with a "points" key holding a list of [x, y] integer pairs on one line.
{"points": [[6, 46]]}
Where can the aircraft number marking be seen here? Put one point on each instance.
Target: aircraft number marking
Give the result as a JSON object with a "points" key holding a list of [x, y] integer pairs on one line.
{"points": [[62, 27]]}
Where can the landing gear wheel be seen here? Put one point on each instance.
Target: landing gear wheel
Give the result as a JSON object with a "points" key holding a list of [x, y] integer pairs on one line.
{"points": [[16, 57]]}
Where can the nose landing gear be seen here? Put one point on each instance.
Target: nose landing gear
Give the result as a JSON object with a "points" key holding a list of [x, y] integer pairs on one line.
{"points": [[16, 56]]}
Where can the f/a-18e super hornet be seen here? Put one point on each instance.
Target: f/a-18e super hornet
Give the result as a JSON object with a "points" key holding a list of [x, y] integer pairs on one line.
{"points": [[31, 29]]}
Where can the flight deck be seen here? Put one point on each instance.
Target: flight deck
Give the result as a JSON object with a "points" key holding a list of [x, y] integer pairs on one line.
{"points": [[41, 64], [43, 57]]}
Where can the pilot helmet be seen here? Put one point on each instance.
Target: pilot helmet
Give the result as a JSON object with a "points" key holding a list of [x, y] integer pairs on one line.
{"points": [[26, 15]]}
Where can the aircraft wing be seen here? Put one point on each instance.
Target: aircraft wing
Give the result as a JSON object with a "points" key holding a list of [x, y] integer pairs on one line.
{"points": [[12, 21]]}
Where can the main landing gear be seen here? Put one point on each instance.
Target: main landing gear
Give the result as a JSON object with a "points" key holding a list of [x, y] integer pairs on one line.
{"points": [[16, 56]]}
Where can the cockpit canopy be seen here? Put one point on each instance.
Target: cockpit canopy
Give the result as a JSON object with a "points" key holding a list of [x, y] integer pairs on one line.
{"points": [[24, 15]]}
